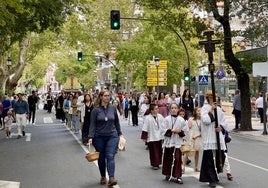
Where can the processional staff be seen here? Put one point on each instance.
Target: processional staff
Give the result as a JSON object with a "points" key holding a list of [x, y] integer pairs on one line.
{"points": [[210, 48]]}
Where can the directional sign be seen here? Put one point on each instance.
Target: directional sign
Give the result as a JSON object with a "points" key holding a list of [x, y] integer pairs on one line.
{"points": [[160, 83], [203, 80], [153, 72]]}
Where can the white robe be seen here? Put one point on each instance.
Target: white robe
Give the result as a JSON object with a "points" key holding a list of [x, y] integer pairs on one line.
{"points": [[153, 126], [208, 133], [175, 139]]}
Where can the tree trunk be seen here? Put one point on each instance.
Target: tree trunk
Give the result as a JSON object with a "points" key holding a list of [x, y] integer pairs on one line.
{"points": [[243, 85]]}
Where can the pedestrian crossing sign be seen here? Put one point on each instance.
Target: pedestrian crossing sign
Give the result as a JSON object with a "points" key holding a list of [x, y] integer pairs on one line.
{"points": [[203, 80]]}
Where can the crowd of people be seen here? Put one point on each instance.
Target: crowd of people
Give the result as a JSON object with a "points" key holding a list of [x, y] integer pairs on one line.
{"points": [[173, 122], [169, 122]]}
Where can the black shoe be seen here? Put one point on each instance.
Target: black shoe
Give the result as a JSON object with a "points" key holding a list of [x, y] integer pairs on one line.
{"points": [[179, 181], [212, 184], [167, 178], [188, 161], [23, 133], [155, 167], [19, 136]]}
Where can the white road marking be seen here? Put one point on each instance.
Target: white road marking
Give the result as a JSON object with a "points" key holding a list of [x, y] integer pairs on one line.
{"points": [[28, 137], [9, 184], [48, 120], [247, 163]]}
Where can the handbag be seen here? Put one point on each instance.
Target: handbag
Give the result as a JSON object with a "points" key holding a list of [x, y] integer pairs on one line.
{"points": [[122, 143], [92, 155]]}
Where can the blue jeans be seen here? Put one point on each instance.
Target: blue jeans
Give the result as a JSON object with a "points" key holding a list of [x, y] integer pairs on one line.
{"points": [[75, 123], [107, 146]]}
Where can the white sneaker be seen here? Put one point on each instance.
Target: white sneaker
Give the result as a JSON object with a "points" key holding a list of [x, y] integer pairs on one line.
{"points": [[33, 123]]}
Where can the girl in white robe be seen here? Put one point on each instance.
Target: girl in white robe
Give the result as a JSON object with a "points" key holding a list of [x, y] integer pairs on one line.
{"points": [[173, 139]]}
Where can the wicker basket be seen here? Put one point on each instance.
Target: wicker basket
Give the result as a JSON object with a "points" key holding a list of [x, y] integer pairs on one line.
{"points": [[185, 148], [92, 156]]}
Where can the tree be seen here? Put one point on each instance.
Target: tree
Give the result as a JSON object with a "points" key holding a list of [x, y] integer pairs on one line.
{"points": [[171, 11], [20, 19], [155, 40]]}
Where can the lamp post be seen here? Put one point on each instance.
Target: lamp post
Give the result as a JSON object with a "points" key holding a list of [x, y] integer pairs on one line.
{"points": [[8, 62], [157, 62], [116, 79]]}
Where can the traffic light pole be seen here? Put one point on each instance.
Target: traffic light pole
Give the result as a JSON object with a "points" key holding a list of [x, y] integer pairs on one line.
{"points": [[172, 29]]}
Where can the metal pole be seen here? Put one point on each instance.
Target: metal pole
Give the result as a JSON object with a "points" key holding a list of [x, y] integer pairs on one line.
{"points": [[116, 89], [157, 79], [264, 88]]}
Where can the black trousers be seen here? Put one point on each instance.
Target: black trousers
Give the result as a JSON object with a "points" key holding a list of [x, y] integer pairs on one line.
{"points": [[237, 114], [260, 111], [32, 114], [85, 130], [134, 114]]}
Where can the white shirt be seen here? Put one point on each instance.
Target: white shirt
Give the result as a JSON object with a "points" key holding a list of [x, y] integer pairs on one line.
{"points": [[259, 102]]}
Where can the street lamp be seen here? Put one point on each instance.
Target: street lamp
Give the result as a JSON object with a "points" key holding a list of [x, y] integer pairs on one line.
{"points": [[8, 62], [116, 79], [157, 62]]}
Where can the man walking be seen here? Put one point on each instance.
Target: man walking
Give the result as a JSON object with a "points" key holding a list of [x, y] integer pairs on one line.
{"points": [[237, 108], [21, 110], [32, 101], [259, 106]]}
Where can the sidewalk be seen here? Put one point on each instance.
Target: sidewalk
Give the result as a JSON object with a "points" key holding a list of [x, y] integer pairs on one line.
{"points": [[257, 132]]}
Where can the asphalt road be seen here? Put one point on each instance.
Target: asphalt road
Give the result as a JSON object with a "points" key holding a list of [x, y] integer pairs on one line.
{"points": [[51, 156]]}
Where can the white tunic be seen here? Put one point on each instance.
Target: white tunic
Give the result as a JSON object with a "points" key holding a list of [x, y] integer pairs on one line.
{"points": [[153, 126], [175, 139], [208, 132]]}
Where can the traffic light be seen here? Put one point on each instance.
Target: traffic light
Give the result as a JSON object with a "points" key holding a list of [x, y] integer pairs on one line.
{"points": [[187, 77], [115, 19], [79, 56]]}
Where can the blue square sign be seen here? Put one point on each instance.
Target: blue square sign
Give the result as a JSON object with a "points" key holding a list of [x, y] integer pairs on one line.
{"points": [[203, 80]]}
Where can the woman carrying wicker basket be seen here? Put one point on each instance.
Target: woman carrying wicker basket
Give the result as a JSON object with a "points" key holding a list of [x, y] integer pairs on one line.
{"points": [[104, 132]]}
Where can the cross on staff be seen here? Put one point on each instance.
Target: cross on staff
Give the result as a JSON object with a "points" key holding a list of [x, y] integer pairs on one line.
{"points": [[210, 48]]}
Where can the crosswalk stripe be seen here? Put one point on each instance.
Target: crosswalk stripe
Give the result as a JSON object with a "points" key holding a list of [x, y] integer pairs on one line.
{"points": [[9, 184], [48, 120], [28, 137]]}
